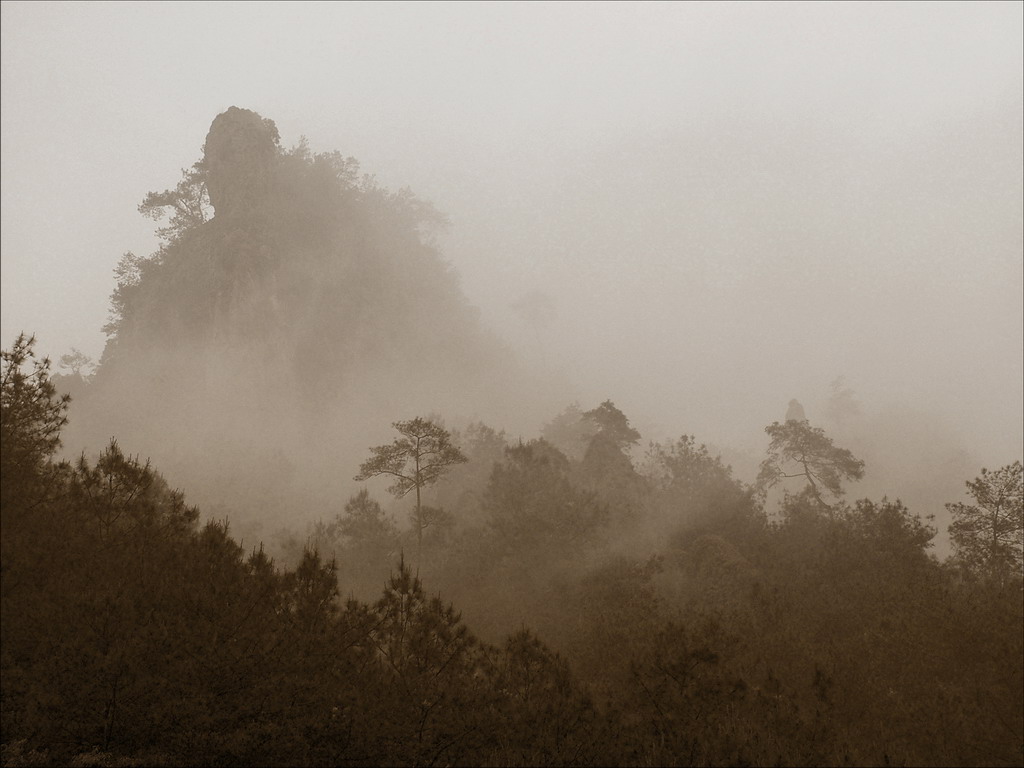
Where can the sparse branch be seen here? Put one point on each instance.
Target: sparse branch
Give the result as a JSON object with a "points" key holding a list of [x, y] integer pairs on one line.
{"points": [[419, 458], [824, 465]]}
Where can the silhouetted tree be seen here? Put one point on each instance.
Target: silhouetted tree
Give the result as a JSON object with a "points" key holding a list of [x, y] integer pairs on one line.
{"points": [[988, 536], [607, 468], [31, 417], [32, 414], [188, 204], [799, 450], [613, 424], [76, 361], [420, 457], [428, 671]]}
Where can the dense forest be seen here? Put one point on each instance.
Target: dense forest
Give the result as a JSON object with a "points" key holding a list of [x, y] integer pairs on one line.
{"points": [[574, 597]]}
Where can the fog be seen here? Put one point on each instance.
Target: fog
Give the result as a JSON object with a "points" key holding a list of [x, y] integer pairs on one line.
{"points": [[697, 211]]}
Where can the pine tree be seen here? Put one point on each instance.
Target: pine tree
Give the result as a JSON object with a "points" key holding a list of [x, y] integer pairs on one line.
{"points": [[988, 536]]}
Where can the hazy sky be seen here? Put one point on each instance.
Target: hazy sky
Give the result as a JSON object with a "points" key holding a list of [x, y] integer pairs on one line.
{"points": [[725, 204]]}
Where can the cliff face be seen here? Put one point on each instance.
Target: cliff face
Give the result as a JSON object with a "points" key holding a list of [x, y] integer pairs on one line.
{"points": [[259, 352], [238, 159]]}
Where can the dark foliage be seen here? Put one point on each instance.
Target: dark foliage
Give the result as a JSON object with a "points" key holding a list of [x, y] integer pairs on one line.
{"points": [[133, 635], [682, 623]]}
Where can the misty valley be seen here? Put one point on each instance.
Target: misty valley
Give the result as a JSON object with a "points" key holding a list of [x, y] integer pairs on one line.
{"points": [[292, 517]]}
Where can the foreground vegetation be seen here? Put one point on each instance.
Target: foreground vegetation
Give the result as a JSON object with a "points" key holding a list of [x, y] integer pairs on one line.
{"points": [[728, 632]]}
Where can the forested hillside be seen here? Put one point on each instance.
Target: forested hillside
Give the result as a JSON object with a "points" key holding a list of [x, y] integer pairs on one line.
{"points": [[293, 306], [818, 632], [339, 555]]}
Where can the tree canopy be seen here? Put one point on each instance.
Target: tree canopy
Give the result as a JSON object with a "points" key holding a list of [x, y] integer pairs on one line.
{"points": [[798, 450], [988, 535], [32, 414], [132, 634], [417, 459]]}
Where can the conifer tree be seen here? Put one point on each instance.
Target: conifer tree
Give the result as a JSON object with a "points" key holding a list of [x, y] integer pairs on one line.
{"points": [[988, 536], [799, 450], [420, 457]]}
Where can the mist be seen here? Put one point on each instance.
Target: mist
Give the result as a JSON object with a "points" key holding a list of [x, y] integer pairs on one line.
{"points": [[697, 212], [720, 306]]}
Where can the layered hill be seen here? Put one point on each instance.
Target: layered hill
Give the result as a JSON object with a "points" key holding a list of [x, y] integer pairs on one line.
{"points": [[294, 309]]}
